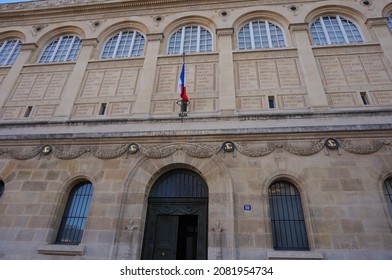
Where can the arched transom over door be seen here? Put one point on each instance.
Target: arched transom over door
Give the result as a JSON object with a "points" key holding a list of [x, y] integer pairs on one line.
{"points": [[176, 224]]}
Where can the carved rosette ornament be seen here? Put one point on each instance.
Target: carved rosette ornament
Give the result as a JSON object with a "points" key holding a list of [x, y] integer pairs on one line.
{"points": [[200, 150]]}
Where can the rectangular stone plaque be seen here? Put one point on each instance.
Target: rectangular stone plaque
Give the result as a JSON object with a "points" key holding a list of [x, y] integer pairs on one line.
{"points": [[56, 85], [383, 98], [268, 78], [251, 103], [205, 77], [11, 113], [293, 102], [163, 107], [120, 109], [332, 70], [93, 83], [247, 75], [45, 111], [342, 99], [40, 85], [375, 69], [83, 110], [353, 70], [24, 87], [110, 82], [167, 79], [288, 73], [203, 105], [128, 80]]}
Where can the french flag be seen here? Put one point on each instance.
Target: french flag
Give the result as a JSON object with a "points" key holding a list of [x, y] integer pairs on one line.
{"points": [[182, 85]]}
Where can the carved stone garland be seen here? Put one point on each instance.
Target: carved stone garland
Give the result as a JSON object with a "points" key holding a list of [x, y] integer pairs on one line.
{"points": [[202, 150]]}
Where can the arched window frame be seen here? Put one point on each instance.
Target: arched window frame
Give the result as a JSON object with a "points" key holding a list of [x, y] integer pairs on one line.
{"points": [[389, 20], [321, 34], [76, 213], [112, 48], [199, 35], [274, 33], [387, 190], [61, 49], [9, 51], [283, 218]]}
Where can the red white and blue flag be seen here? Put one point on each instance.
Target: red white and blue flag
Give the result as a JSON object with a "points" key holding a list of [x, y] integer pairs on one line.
{"points": [[182, 85]]}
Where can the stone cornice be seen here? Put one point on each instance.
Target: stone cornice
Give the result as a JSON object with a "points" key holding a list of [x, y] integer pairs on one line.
{"points": [[28, 47], [371, 22], [299, 26], [225, 32]]}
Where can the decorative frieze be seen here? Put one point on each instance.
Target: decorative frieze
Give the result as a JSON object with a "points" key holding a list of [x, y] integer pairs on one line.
{"points": [[200, 150]]}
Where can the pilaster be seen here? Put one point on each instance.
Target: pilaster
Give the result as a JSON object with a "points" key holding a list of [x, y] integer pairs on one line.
{"points": [[316, 93], [380, 28], [74, 82], [226, 71], [145, 85]]}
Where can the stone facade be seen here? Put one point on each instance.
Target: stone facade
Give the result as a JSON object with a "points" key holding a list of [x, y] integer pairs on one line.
{"points": [[55, 131]]}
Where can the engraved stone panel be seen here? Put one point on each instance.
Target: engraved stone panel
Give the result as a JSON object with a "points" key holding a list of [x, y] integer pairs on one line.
{"points": [[250, 103], [293, 102], [128, 80], [205, 77], [332, 70], [163, 107], [203, 105], [120, 109], [167, 79], [353, 70], [375, 69], [267, 74], [45, 111], [110, 82], [38, 86], [288, 73], [11, 112], [342, 99], [93, 83], [247, 75], [383, 98], [83, 110], [280, 73], [24, 87]]}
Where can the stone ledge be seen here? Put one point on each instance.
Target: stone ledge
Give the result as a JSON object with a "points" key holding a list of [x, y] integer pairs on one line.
{"points": [[56, 249], [294, 255]]}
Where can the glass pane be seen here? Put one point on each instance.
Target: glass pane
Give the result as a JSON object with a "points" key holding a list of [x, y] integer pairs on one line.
{"points": [[9, 50], [317, 32], [390, 21], [244, 41]]}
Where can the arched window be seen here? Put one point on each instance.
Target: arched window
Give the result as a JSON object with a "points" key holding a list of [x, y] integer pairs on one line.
{"points": [[390, 21], [75, 214], [287, 218], [330, 30], [9, 50], [64, 48], [388, 193], [124, 44], [260, 35], [190, 39], [1, 188]]}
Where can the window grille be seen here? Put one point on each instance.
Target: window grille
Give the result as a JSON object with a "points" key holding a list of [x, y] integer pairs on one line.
{"points": [[330, 30], [124, 44], [75, 214], [260, 35], [64, 48], [287, 218], [388, 193], [190, 39], [9, 50]]}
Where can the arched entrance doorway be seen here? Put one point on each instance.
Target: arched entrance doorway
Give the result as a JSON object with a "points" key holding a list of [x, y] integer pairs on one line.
{"points": [[176, 223]]}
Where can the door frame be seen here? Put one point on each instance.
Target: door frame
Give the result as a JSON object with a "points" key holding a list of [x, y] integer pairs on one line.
{"points": [[176, 207]]}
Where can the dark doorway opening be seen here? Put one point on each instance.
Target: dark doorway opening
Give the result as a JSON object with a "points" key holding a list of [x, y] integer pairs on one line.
{"points": [[187, 237]]}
